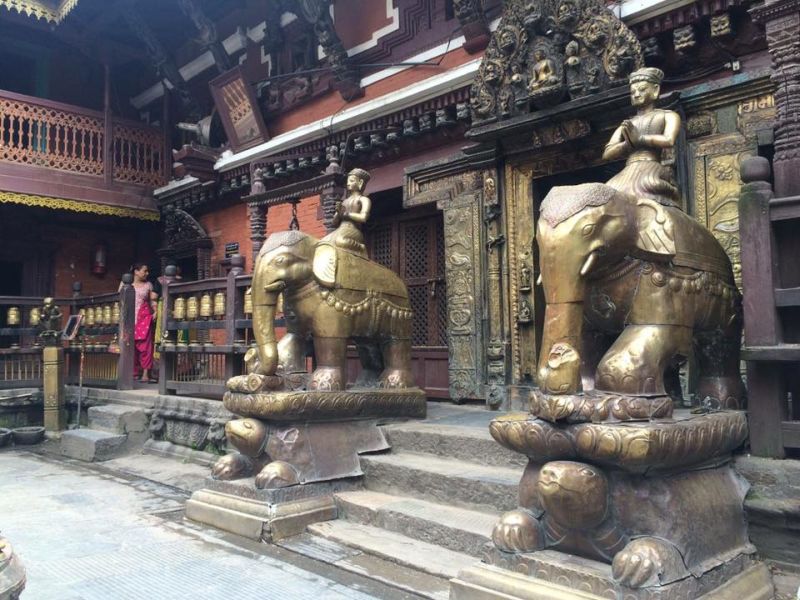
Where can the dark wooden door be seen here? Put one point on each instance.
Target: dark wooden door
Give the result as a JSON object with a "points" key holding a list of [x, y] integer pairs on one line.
{"points": [[412, 245]]}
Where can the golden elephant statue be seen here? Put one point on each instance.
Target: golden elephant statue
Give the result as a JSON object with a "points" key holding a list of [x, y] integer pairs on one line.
{"points": [[331, 296], [632, 287]]}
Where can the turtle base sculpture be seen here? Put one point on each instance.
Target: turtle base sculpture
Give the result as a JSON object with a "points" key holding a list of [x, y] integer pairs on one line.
{"points": [[12, 573], [622, 509]]}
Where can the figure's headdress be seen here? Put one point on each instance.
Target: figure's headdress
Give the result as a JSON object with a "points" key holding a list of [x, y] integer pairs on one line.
{"points": [[361, 174], [649, 74]]}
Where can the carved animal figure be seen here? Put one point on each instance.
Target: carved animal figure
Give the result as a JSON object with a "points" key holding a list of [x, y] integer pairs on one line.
{"points": [[334, 296], [578, 508], [630, 286]]}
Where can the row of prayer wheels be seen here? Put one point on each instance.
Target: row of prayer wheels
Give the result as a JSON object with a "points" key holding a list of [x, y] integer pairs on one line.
{"points": [[102, 314], [206, 306], [14, 316]]}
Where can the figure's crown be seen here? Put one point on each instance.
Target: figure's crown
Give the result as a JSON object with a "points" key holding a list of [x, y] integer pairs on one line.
{"points": [[361, 174], [649, 74]]}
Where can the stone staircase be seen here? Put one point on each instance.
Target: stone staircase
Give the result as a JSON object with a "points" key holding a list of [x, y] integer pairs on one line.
{"points": [[113, 430], [428, 506]]}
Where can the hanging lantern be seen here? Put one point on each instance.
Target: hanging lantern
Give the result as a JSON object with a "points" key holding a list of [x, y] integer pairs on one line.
{"points": [[99, 259], [219, 305]]}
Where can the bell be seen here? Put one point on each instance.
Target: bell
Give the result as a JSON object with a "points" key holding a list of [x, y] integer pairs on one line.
{"points": [[34, 316], [89, 315], [107, 320], [115, 313], [191, 308], [219, 305], [248, 301], [179, 309], [13, 316], [205, 305]]}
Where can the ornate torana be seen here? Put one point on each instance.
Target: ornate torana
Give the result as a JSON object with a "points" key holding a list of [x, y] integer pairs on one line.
{"points": [[548, 51]]}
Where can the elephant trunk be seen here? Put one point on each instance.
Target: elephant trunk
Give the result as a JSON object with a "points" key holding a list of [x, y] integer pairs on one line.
{"points": [[264, 306], [565, 265]]}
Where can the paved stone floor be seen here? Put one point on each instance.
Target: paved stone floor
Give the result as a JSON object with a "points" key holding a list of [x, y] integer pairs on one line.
{"points": [[86, 533]]}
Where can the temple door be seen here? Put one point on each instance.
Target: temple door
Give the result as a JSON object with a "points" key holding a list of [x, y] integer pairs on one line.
{"points": [[412, 245]]}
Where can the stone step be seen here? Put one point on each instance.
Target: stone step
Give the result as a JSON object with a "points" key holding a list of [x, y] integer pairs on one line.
{"points": [[400, 549], [473, 444], [90, 445], [451, 482], [118, 418], [454, 528], [355, 561]]}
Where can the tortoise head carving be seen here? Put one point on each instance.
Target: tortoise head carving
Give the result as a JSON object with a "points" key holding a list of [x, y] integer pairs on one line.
{"points": [[573, 494]]}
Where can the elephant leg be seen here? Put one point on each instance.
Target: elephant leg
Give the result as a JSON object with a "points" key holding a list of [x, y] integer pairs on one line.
{"points": [[397, 358], [720, 383], [636, 362], [371, 357], [331, 356]]}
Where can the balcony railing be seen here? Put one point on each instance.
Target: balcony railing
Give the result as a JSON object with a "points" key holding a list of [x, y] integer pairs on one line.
{"points": [[43, 133]]}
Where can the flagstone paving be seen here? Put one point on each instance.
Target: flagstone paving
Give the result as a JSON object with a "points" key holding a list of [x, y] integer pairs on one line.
{"points": [[88, 534]]}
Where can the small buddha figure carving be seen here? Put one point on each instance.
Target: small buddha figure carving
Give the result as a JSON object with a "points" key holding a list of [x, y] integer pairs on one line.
{"points": [[642, 139], [351, 214], [544, 72], [572, 64]]}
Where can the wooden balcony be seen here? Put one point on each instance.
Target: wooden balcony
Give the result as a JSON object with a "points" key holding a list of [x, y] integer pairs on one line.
{"points": [[50, 150]]}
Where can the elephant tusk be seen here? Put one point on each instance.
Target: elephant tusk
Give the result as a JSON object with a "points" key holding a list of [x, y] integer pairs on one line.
{"points": [[588, 263], [277, 286], [539, 279]]}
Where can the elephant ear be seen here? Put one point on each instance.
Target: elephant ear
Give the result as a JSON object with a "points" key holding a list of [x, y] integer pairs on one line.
{"points": [[324, 264], [656, 231]]}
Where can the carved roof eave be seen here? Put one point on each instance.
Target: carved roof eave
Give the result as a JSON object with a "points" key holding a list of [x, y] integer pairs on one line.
{"points": [[297, 190], [606, 103], [53, 12], [687, 14], [774, 10]]}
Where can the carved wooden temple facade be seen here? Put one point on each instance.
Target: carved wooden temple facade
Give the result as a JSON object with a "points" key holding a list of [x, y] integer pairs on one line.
{"points": [[465, 112]]}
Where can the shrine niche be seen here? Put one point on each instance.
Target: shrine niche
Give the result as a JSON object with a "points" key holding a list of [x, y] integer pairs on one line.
{"points": [[185, 238], [549, 51]]}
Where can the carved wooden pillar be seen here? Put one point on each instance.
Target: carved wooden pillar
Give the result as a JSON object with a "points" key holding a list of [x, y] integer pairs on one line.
{"points": [[258, 227], [465, 298], [495, 243], [782, 21]]}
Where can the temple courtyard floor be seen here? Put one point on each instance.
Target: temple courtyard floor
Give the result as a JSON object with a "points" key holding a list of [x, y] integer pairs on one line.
{"points": [[108, 532]]}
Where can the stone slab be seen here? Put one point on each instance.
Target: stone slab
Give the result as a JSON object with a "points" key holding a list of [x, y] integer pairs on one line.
{"points": [[397, 548], [91, 446], [454, 528], [115, 418], [453, 442], [453, 482], [546, 573], [182, 453], [374, 567], [258, 520]]}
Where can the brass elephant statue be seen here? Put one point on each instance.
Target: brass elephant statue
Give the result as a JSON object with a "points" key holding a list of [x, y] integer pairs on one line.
{"points": [[631, 287], [331, 296]]}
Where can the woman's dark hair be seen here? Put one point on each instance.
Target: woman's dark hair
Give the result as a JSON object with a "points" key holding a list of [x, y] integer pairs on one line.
{"points": [[138, 265]]}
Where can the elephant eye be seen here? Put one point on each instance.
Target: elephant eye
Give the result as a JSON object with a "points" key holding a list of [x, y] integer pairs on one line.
{"points": [[587, 230], [280, 260]]}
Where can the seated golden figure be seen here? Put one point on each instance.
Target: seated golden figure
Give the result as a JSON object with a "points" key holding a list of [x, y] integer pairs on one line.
{"points": [[642, 139], [351, 214], [544, 72]]}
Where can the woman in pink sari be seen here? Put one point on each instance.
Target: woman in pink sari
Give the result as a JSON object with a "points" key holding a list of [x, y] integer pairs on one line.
{"points": [[145, 307]]}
